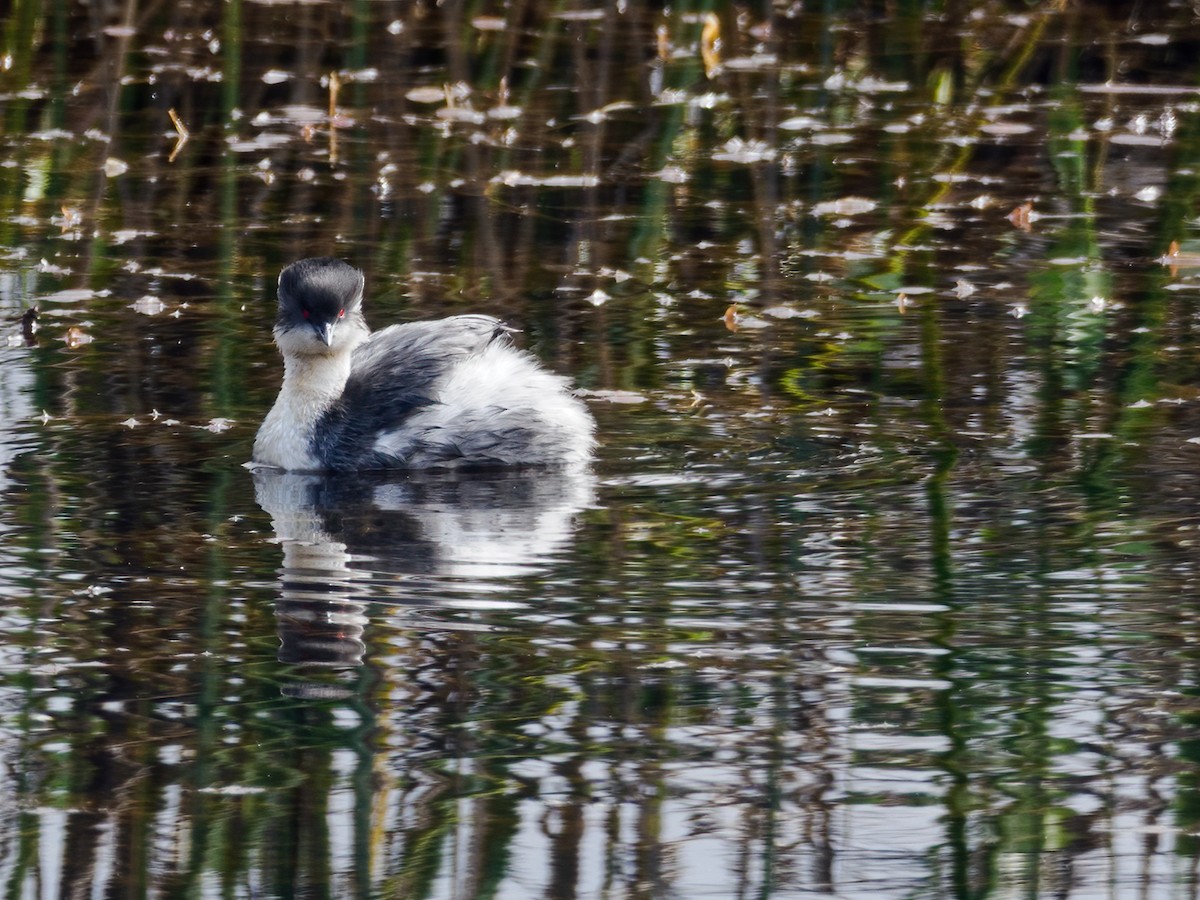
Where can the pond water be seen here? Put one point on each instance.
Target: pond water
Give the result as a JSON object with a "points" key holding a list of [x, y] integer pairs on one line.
{"points": [[884, 580]]}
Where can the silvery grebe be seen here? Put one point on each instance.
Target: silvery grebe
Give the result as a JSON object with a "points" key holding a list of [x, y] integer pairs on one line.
{"points": [[450, 392]]}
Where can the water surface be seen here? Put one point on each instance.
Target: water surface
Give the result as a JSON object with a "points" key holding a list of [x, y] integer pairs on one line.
{"points": [[883, 583]]}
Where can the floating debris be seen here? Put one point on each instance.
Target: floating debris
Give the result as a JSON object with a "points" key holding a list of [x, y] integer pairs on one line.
{"points": [[735, 320], [461, 114], [753, 63], [181, 134], [1005, 129], [1022, 217], [426, 94], [514, 179], [672, 175], [148, 305], [114, 167], [710, 45], [801, 123], [846, 206], [1175, 258], [596, 116], [45, 267], [71, 219], [618, 396], [740, 151], [489, 23]]}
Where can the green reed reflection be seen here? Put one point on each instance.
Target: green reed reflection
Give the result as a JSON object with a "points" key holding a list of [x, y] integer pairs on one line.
{"points": [[879, 587]]}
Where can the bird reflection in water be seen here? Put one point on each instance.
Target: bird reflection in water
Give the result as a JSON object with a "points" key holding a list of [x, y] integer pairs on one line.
{"points": [[411, 540]]}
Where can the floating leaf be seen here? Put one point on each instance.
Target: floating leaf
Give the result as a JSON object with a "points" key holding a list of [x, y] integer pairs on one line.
{"points": [[731, 318], [788, 312], [462, 114], [148, 305], [1004, 129], [846, 206], [757, 62], [426, 94], [672, 175], [1022, 217], [740, 151], [114, 167], [828, 138], [1177, 258], [513, 179], [617, 396], [801, 123], [71, 219]]}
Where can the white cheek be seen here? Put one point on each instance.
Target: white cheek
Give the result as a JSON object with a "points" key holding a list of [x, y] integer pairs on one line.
{"points": [[299, 342]]}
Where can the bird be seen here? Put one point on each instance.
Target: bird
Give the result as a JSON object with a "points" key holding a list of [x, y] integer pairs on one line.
{"points": [[446, 393]]}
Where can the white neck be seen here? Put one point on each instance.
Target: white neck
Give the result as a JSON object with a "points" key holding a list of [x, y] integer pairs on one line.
{"points": [[310, 386]]}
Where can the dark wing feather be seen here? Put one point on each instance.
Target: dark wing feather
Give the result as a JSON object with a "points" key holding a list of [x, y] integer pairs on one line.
{"points": [[394, 373]]}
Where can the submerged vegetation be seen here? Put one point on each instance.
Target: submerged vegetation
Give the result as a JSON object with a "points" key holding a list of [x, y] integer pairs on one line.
{"points": [[882, 584]]}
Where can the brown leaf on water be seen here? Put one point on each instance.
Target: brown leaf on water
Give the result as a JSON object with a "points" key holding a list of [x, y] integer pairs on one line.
{"points": [[1177, 258], [731, 317], [710, 45], [662, 39], [71, 219], [77, 337], [736, 320], [1022, 217]]}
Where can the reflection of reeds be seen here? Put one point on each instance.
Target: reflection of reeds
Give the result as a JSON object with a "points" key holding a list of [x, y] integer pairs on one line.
{"points": [[639, 181]]}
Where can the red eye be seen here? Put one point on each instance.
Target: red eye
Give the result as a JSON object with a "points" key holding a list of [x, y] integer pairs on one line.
{"points": [[341, 314], [304, 312]]}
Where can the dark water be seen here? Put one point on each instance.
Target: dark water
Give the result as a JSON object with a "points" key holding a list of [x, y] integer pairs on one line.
{"points": [[884, 582]]}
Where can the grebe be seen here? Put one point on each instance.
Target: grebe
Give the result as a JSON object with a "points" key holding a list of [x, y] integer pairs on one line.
{"points": [[451, 392]]}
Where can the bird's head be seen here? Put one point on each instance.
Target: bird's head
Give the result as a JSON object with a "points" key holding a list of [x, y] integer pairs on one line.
{"points": [[320, 308]]}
